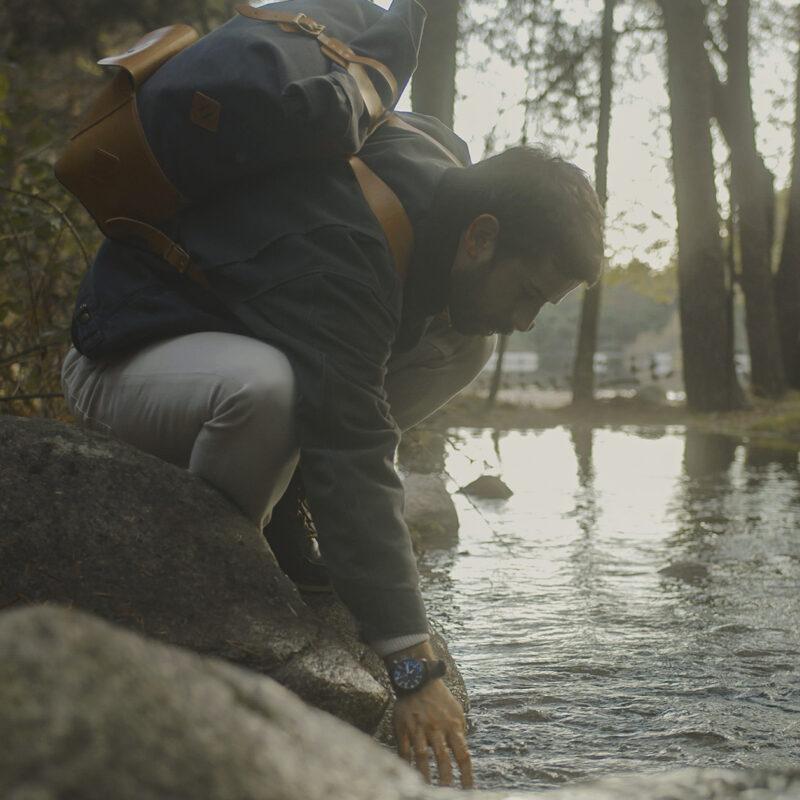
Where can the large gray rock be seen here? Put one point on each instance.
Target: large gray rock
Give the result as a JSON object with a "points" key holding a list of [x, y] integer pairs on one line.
{"points": [[430, 512], [422, 450], [682, 784], [93, 712], [90, 522], [489, 487]]}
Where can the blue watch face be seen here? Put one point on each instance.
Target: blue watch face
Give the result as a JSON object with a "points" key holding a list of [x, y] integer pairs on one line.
{"points": [[408, 674]]}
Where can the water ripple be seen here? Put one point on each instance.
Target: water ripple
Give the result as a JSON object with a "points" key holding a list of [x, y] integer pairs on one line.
{"points": [[633, 606]]}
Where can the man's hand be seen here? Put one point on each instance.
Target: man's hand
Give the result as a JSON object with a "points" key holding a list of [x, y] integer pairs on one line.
{"points": [[431, 719]]}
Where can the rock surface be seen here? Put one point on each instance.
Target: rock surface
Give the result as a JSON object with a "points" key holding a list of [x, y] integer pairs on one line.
{"points": [[652, 394], [430, 512], [422, 450], [692, 572], [90, 711], [684, 784], [89, 522], [488, 486]]}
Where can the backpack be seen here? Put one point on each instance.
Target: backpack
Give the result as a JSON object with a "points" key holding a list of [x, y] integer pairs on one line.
{"points": [[185, 117]]}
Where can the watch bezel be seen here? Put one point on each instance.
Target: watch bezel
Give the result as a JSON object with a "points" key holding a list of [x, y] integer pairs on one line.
{"points": [[429, 671], [420, 667]]}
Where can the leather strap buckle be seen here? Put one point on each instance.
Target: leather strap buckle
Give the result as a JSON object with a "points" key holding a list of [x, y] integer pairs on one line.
{"points": [[308, 25], [177, 257]]}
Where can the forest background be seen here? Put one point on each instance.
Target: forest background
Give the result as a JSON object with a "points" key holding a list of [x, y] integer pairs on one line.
{"points": [[710, 262]]}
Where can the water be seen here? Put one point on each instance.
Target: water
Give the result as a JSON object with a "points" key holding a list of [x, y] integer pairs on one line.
{"points": [[635, 606]]}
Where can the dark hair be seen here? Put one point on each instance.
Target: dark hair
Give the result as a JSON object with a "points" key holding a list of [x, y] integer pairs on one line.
{"points": [[543, 204]]}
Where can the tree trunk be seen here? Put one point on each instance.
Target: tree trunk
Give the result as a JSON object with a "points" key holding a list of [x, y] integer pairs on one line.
{"points": [[730, 263], [755, 198], [709, 374], [583, 373], [787, 280], [433, 90], [583, 370]]}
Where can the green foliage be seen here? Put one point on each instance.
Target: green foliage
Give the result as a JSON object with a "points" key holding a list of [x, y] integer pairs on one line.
{"points": [[558, 56], [41, 263], [47, 78], [5, 122], [787, 424], [630, 309], [43, 252], [32, 28], [636, 299], [660, 286]]}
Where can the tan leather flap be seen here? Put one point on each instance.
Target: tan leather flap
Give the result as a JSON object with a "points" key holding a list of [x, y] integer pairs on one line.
{"points": [[151, 51]]}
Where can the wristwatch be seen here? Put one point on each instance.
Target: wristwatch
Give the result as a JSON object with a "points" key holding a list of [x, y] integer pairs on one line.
{"points": [[407, 675]]}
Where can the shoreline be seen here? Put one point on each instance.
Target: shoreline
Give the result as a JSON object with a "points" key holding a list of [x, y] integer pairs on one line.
{"points": [[774, 423]]}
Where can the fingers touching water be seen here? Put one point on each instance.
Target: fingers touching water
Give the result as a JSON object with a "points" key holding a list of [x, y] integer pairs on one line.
{"points": [[431, 728]]}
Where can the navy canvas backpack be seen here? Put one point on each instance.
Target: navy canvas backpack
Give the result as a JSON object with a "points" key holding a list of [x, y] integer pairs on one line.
{"points": [[184, 117]]}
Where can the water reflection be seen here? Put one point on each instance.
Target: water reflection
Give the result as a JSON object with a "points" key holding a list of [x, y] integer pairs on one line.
{"points": [[633, 606], [582, 437], [702, 503], [784, 458], [707, 454], [586, 557]]}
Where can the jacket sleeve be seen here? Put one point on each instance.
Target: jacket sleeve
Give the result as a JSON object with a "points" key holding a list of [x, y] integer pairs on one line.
{"points": [[337, 334]]}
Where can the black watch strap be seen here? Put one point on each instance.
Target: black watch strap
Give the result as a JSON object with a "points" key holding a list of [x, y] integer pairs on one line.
{"points": [[438, 669]]}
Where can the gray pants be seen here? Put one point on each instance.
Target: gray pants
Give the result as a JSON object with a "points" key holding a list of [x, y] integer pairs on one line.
{"points": [[221, 405]]}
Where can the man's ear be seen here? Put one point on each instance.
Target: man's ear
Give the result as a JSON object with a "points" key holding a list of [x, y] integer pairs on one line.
{"points": [[481, 235]]}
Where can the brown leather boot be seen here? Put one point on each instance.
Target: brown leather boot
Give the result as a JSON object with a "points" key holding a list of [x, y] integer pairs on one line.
{"points": [[292, 537]]}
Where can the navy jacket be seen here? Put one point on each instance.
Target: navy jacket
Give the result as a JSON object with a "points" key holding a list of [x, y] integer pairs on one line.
{"points": [[297, 259]]}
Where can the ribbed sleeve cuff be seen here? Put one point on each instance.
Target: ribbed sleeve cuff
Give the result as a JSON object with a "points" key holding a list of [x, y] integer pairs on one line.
{"points": [[385, 647]]}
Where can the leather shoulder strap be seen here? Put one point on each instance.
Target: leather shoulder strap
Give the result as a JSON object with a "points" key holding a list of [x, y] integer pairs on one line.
{"points": [[156, 242], [397, 121], [337, 51], [386, 206]]}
